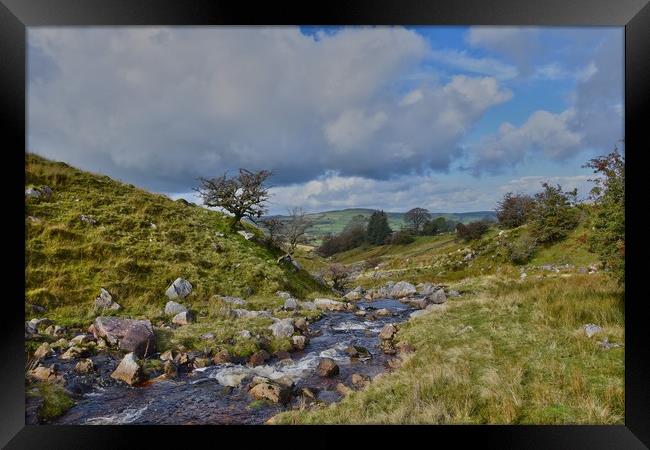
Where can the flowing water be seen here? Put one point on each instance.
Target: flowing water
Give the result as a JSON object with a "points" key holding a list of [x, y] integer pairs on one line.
{"points": [[212, 395]]}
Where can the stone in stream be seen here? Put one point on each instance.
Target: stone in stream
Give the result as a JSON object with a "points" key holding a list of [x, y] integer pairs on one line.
{"points": [[356, 351], [290, 304], [301, 324], [74, 352], [274, 392], [426, 288], [131, 335], [387, 332], [170, 370], [299, 342], [330, 305], [172, 308], [223, 356], [402, 289], [327, 368], [343, 389], [85, 366], [383, 312], [355, 294], [129, 370], [258, 358], [180, 288], [44, 350], [42, 373], [360, 380]]}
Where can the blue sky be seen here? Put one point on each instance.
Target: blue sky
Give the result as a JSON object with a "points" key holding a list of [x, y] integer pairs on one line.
{"points": [[446, 118]]}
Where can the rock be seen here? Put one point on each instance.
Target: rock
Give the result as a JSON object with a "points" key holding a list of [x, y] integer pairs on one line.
{"points": [[282, 328], [85, 366], [247, 314], [46, 192], [34, 326], [105, 301], [358, 352], [139, 338], [61, 343], [233, 376], [219, 234], [32, 192], [419, 303], [387, 332], [383, 312], [283, 294], [605, 344], [183, 318], [247, 235], [419, 313], [74, 352], [207, 336], [80, 339], [453, 294], [202, 362], [438, 297], [591, 329], [172, 308], [426, 288], [232, 300], [360, 380], [301, 324], [405, 348], [258, 358], [113, 329], [167, 356], [169, 369], [355, 294], [180, 288], [402, 289], [129, 370], [273, 392], [42, 373], [290, 304], [522, 275], [183, 359], [308, 393], [310, 306], [360, 313], [299, 342], [327, 368], [43, 351], [87, 219], [329, 305], [244, 334], [343, 389], [222, 357]]}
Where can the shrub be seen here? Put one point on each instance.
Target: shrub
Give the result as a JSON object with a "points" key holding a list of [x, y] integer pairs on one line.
{"points": [[351, 237], [338, 275], [554, 213], [371, 262], [521, 250], [473, 230], [514, 210], [400, 238]]}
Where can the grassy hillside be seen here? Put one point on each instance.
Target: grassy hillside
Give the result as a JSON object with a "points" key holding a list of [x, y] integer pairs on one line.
{"points": [[140, 243], [510, 349], [333, 222]]}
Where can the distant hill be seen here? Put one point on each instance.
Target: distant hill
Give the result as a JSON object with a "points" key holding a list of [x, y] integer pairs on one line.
{"points": [[332, 222]]}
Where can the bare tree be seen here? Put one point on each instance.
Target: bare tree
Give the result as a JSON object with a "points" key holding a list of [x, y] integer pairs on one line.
{"points": [[295, 228], [339, 275], [416, 218], [274, 227], [243, 195]]}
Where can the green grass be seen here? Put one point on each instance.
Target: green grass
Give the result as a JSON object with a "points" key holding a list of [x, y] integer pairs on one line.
{"points": [[526, 361], [55, 400]]}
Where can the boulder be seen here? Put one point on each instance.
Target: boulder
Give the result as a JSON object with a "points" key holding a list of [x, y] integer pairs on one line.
{"points": [[301, 324], [207, 336], [247, 314], [105, 301], [360, 380], [402, 289], [244, 334], [327, 368], [172, 308], [438, 297], [180, 288], [131, 335], [43, 351], [46, 192], [290, 304], [183, 318], [383, 312], [272, 392], [74, 352], [232, 300], [258, 358], [222, 357], [426, 288], [591, 329], [283, 294], [387, 332], [310, 306], [282, 328], [32, 192], [355, 294], [42, 373], [80, 339], [358, 352], [343, 389], [330, 305], [299, 342], [169, 369], [34, 326], [85, 366], [419, 303], [202, 362], [167, 356], [129, 370]]}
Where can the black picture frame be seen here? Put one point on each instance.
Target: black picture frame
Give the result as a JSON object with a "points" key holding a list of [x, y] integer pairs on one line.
{"points": [[16, 15]]}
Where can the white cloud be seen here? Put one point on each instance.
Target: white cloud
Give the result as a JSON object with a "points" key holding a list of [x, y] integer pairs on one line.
{"points": [[484, 66], [520, 44]]}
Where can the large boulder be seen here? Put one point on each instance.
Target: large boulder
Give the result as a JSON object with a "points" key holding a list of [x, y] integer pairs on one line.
{"points": [[282, 328], [43, 351], [180, 288], [42, 373], [34, 326], [402, 289], [172, 308], [426, 288], [32, 192], [105, 301], [438, 297], [299, 342], [131, 335], [355, 294], [330, 305], [327, 368], [129, 370], [276, 393]]}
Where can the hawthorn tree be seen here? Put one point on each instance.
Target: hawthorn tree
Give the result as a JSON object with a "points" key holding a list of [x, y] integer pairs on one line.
{"points": [[243, 195], [416, 218], [514, 210], [294, 229]]}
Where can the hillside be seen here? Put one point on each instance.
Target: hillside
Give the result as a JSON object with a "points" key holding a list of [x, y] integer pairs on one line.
{"points": [[333, 222]]}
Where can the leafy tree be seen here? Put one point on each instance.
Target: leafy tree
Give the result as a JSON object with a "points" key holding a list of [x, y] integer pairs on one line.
{"points": [[514, 210], [608, 194], [378, 228], [554, 213], [473, 230], [243, 195], [353, 235], [401, 237], [416, 218]]}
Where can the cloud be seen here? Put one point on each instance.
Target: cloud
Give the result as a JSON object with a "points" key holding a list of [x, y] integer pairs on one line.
{"points": [[484, 66], [520, 44], [162, 106]]}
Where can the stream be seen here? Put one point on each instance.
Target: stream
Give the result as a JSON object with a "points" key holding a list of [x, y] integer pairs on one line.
{"points": [[204, 397]]}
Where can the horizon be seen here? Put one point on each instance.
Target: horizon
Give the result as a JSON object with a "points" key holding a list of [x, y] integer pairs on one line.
{"points": [[448, 118]]}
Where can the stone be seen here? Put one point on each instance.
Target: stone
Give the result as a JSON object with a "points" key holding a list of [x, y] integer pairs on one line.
{"points": [[308, 393], [272, 392], [283, 294], [74, 352], [387, 332], [222, 357], [258, 358], [43, 351], [329, 305], [591, 329], [167, 356], [170, 370], [360, 380], [32, 192], [138, 338], [42, 373], [327, 368], [183, 318], [129, 370], [35, 326], [438, 297], [172, 308], [355, 294], [453, 294], [426, 288], [358, 352], [80, 339], [419, 303], [46, 192], [301, 324], [343, 389], [310, 306], [282, 328], [183, 359], [290, 304], [246, 235], [244, 334], [402, 289], [299, 342], [105, 301], [207, 336], [85, 366], [248, 314], [281, 354], [87, 219], [202, 362], [180, 288], [383, 312], [232, 300]]}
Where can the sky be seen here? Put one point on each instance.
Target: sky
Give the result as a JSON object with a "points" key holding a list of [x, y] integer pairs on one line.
{"points": [[445, 118]]}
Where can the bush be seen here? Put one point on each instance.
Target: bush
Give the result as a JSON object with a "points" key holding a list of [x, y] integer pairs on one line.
{"points": [[554, 213], [350, 238], [521, 250], [400, 238], [371, 262], [514, 210], [472, 231], [338, 275]]}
